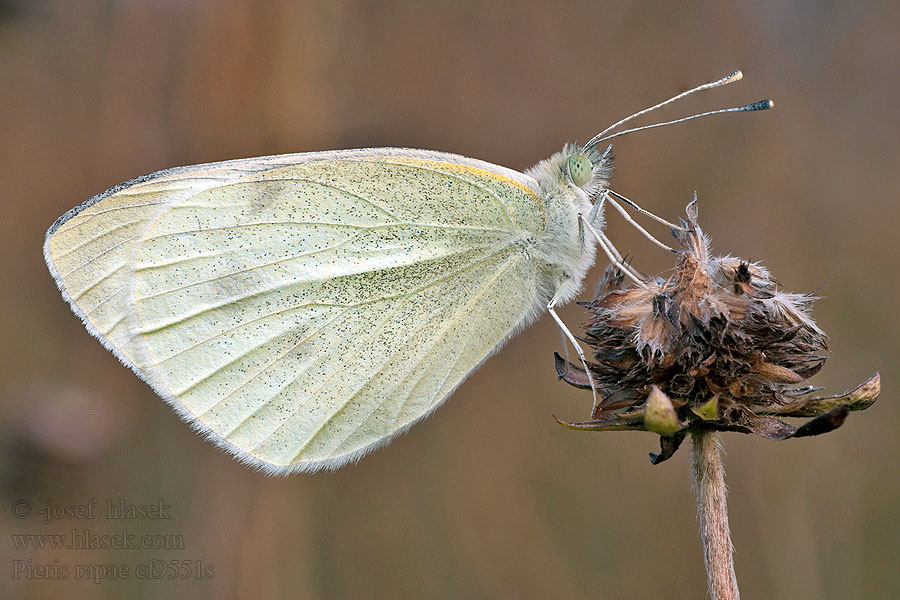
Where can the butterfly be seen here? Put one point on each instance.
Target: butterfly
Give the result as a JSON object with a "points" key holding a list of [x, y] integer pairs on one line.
{"points": [[301, 310]]}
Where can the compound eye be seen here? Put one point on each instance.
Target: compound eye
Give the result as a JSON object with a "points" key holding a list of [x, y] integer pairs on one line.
{"points": [[580, 169]]}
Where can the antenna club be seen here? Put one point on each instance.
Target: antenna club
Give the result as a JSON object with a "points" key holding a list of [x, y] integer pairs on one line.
{"points": [[761, 105], [735, 76]]}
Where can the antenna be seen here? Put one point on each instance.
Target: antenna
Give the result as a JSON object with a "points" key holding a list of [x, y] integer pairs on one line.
{"points": [[760, 105], [731, 78]]}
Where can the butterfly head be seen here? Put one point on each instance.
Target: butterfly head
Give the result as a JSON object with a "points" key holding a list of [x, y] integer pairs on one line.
{"points": [[587, 168]]}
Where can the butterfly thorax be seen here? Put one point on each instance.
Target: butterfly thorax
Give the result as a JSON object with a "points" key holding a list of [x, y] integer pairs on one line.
{"points": [[564, 249]]}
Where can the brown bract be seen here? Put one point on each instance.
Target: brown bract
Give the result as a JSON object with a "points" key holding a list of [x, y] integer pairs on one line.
{"points": [[716, 345]]}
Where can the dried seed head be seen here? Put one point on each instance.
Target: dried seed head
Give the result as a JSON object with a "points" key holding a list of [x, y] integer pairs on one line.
{"points": [[715, 345]]}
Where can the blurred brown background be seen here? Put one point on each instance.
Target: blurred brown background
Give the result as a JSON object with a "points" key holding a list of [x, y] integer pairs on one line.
{"points": [[490, 498]]}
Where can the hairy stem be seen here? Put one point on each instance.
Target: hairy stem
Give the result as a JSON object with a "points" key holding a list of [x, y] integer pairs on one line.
{"points": [[709, 483]]}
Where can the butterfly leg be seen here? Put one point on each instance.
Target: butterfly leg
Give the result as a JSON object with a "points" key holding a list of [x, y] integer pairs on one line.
{"points": [[634, 224], [551, 308], [614, 258], [643, 211], [595, 215], [595, 219]]}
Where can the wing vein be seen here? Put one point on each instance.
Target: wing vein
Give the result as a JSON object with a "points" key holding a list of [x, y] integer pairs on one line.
{"points": [[332, 224], [90, 240], [116, 322], [87, 216], [287, 285], [494, 196], [443, 329], [81, 294], [342, 190], [261, 370], [368, 201], [232, 328], [90, 260], [186, 259], [444, 380], [370, 335]]}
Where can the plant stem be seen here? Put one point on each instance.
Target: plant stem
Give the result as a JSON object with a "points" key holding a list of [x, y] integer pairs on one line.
{"points": [[709, 483]]}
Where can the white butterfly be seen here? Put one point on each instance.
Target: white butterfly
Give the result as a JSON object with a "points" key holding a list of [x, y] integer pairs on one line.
{"points": [[301, 310]]}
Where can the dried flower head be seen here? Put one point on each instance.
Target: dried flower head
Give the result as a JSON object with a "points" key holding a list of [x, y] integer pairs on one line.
{"points": [[716, 345]]}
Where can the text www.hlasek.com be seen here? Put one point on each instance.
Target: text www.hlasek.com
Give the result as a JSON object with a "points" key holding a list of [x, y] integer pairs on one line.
{"points": [[84, 539]]}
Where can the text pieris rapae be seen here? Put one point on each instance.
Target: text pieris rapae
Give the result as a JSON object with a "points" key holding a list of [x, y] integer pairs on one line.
{"points": [[300, 310]]}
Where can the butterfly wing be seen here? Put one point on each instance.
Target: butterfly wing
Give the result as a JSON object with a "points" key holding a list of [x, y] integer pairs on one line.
{"points": [[300, 310]]}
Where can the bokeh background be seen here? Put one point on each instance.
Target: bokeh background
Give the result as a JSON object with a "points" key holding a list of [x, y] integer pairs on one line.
{"points": [[489, 498]]}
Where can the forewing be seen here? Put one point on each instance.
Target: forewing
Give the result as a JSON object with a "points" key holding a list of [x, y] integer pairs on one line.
{"points": [[301, 313]]}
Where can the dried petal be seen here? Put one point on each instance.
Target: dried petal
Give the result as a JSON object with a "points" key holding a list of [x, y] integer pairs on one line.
{"points": [[777, 373], [859, 398], [830, 421], [633, 423], [668, 444], [745, 421], [571, 374]]}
